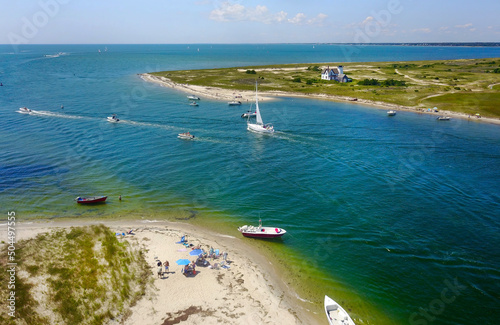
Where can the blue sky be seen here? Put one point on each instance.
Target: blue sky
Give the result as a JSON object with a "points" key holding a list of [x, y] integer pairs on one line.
{"points": [[249, 21]]}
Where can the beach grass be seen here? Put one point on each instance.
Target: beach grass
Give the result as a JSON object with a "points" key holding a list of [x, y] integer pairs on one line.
{"points": [[467, 86], [84, 275]]}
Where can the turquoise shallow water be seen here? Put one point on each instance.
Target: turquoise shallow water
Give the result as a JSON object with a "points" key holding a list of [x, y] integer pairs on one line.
{"points": [[402, 212]]}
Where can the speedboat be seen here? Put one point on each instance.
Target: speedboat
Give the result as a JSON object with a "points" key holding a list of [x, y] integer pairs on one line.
{"points": [[234, 103], [249, 114], [336, 314], [193, 97], [259, 126], [91, 200], [261, 232], [391, 113], [113, 119], [443, 118], [24, 110], [193, 103], [185, 135]]}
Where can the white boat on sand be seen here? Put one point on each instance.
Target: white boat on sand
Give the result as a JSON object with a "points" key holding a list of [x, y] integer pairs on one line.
{"points": [[113, 119], [259, 126], [185, 135], [336, 314]]}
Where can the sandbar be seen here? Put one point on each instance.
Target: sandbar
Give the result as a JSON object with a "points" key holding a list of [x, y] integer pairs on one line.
{"points": [[248, 292]]}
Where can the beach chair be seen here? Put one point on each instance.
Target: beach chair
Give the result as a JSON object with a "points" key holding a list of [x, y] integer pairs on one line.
{"points": [[182, 241]]}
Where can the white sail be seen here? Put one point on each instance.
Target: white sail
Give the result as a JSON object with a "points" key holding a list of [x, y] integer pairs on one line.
{"points": [[259, 118]]}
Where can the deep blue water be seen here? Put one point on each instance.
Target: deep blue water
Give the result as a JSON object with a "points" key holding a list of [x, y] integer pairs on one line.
{"points": [[396, 210]]}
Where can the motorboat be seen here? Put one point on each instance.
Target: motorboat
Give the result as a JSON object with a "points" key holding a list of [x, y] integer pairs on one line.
{"points": [[193, 103], [91, 199], [249, 114], [24, 110], [336, 314], [193, 97], [259, 126], [113, 119], [234, 103], [261, 232], [391, 113], [443, 118], [185, 135]]}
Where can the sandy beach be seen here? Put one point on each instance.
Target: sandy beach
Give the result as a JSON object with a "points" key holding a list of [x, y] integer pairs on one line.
{"points": [[246, 96], [248, 291]]}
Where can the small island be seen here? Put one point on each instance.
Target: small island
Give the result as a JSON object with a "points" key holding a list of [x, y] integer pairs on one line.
{"points": [[467, 88]]}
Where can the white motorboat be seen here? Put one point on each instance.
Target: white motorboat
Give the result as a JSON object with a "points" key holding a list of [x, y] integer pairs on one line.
{"points": [[24, 110], [234, 103], [249, 114], [113, 119], [259, 126], [261, 232], [443, 118], [193, 103], [193, 97], [185, 135], [336, 314], [391, 113]]}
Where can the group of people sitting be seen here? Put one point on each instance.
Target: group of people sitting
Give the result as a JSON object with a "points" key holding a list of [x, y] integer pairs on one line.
{"points": [[160, 266]]}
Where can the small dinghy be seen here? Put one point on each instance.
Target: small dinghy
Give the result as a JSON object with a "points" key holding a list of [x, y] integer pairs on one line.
{"points": [[186, 135], [24, 110], [113, 119], [336, 314], [91, 200]]}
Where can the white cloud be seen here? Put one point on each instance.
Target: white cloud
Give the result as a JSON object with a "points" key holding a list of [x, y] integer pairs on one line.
{"points": [[228, 11], [464, 26], [422, 30]]}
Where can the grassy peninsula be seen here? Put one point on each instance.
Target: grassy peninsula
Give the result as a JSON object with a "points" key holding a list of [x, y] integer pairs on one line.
{"points": [[468, 86]]}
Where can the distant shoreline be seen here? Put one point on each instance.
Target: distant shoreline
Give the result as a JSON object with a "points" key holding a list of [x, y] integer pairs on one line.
{"points": [[248, 96]]}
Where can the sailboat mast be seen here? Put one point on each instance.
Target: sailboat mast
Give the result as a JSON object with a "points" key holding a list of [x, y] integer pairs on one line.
{"points": [[257, 111]]}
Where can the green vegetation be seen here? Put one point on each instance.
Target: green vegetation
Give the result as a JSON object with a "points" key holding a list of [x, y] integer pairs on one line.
{"points": [[460, 85], [86, 276]]}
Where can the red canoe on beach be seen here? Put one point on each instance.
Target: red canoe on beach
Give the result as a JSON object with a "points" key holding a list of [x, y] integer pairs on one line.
{"points": [[90, 200], [261, 232]]}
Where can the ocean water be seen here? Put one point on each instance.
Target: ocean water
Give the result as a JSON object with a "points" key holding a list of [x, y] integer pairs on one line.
{"points": [[396, 218]]}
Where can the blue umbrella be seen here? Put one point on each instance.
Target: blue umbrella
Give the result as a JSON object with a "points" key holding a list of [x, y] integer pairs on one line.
{"points": [[196, 252], [183, 261]]}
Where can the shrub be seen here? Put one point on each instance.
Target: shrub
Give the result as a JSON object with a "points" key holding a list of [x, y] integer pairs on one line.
{"points": [[369, 82], [297, 79], [251, 72]]}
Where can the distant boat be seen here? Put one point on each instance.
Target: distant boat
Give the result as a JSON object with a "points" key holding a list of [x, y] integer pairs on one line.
{"points": [[194, 103], [391, 113], [249, 114], [24, 110], [113, 119], [336, 314], [261, 232], [234, 103], [259, 126], [91, 200], [193, 97], [443, 118], [185, 135]]}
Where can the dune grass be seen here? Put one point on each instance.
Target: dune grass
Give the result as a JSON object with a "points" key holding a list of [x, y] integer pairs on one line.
{"points": [[467, 86], [84, 275]]}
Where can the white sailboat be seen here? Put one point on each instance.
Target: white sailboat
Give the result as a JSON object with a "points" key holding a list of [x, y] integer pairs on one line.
{"points": [[259, 126]]}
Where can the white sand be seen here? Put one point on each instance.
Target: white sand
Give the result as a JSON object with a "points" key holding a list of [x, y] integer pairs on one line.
{"points": [[249, 292], [224, 94]]}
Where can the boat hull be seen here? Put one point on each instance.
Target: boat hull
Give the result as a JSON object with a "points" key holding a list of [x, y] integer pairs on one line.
{"points": [[91, 200], [257, 128], [335, 314], [262, 232]]}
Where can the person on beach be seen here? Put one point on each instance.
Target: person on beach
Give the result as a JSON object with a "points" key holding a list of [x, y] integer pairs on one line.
{"points": [[166, 264], [160, 269], [224, 256]]}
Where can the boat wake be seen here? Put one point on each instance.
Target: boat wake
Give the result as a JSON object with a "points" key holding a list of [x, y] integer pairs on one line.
{"points": [[59, 115]]}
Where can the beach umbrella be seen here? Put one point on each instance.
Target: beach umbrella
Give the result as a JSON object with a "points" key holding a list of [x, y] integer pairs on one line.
{"points": [[183, 261], [195, 252]]}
